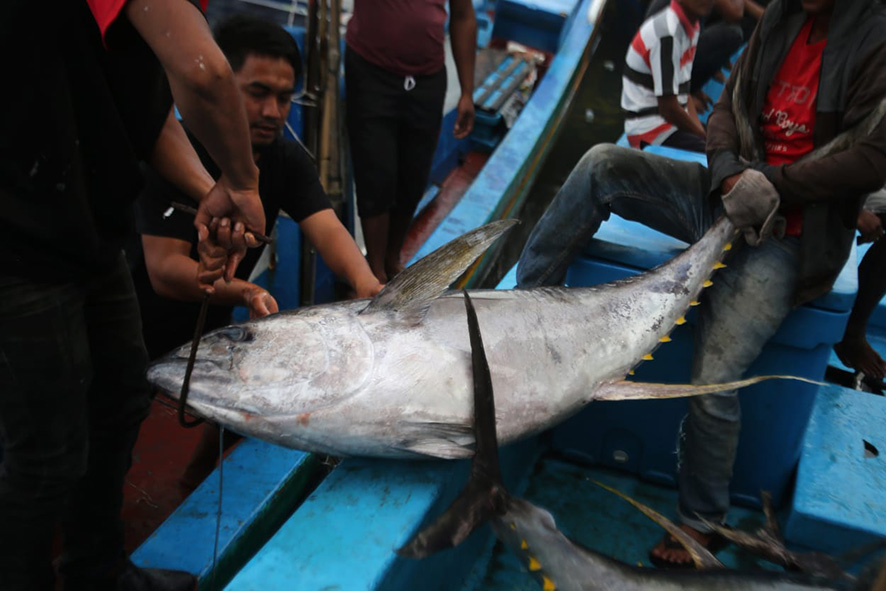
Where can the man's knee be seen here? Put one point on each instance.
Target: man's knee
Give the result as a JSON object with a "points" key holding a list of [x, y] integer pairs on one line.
{"points": [[605, 161]]}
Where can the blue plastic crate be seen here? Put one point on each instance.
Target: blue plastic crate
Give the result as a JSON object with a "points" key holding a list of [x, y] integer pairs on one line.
{"points": [[640, 436], [535, 23], [839, 503]]}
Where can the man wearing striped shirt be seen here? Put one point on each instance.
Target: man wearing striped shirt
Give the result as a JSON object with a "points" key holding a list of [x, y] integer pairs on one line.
{"points": [[655, 83]]}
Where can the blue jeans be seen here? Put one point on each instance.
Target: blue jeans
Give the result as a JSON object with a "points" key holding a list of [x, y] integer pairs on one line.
{"points": [[742, 310], [72, 396]]}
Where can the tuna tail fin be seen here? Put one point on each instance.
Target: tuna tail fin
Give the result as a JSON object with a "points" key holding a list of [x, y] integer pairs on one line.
{"points": [[484, 496], [624, 390], [412, 290]]}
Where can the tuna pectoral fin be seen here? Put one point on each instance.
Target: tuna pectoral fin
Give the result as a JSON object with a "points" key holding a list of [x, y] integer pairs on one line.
{"points": [[700, 555], [411, 291], [484, 496], [624, 390]]}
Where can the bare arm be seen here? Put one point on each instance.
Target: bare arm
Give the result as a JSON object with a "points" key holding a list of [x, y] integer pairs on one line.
{"points": [[730, 10], [463, 36], [202, 83], [172, 272], [206, 94], [669, 108], [338, 249], [753, 9]]}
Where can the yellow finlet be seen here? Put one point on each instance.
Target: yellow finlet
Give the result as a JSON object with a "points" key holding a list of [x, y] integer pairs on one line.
{"points": [[534, 565], [514, 526], [680, 321], [665, 339], [707, 283], [630, 373], [693, 303], [647, 357], [547, 584], [523, 545], [719, 265], [728, 246]]}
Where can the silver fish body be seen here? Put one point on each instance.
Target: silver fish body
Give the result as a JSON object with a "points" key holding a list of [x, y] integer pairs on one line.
{"points": [[530, 532], [394, 379]]}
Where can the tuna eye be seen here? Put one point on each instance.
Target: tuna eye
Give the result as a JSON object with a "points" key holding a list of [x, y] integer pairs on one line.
{"points": [[237, 334]]}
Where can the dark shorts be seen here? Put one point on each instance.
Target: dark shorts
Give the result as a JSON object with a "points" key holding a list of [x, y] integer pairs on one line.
{"points": [[393, 134], [684, 140]]}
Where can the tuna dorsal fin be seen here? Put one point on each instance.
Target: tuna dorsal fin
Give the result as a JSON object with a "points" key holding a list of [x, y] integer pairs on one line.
{"points": [[624, 390], [484, 495], [701, 556], [413, 289]]}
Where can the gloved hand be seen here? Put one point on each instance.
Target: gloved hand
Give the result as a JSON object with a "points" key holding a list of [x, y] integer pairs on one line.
{"points": [[752, 205]]}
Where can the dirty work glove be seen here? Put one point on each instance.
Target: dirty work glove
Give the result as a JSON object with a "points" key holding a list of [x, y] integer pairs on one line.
{"points": [[752, 205]]}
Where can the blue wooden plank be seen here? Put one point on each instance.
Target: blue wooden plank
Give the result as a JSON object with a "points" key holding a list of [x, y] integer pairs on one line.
{"points": [[259, 481], [345, 534], [506, 170]]}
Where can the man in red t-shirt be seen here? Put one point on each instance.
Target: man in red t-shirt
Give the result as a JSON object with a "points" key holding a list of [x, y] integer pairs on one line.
{"points": [[813, 76]]}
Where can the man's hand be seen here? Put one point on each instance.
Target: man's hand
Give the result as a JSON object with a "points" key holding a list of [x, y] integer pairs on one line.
{"points": [[213, 257], [464, 123], [260, 302], [226, 213], [870, 226], [368, 288], [752, 203]]}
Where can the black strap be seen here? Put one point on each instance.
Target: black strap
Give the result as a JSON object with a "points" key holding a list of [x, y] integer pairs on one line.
{"points": [[192, 358]]}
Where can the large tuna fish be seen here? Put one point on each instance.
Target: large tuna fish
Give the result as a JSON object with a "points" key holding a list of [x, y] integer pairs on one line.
{"points": [[556, 561], [391, 377]]}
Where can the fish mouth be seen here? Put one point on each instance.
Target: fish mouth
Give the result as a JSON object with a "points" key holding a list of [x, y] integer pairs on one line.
{"points": [[168, 373]]}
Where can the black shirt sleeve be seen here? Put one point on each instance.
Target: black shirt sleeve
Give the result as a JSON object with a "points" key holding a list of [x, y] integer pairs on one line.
{"points": [[302, 194], [154, 203]]}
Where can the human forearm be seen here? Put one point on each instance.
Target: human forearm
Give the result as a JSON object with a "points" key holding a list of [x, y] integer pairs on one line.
{"points": [[175, 278], [202, 83], [463, 37], [730, 10], [339, 251], [753, 9], [672, 112], [175, 160]]}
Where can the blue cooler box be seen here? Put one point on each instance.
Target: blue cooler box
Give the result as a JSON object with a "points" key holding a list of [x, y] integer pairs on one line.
{"points": [[839, 503], [641, 436]]}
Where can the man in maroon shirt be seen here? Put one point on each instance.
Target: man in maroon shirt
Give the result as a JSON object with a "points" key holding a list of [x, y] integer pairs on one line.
{"points": [[396, 83]]}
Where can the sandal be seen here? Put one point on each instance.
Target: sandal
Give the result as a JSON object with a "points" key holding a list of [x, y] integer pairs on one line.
{"points": [[715, 543]]}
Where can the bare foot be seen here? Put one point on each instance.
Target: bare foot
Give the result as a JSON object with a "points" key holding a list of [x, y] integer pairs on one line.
{"points": [[669, 553], [857, 353]]}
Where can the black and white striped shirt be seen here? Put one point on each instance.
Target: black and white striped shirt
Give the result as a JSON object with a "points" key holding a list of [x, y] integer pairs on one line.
{"points": [[658, 63]]}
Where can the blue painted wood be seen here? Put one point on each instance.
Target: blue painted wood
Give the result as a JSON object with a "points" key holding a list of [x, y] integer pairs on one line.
{"points": [[534, 23], [839, 502], [259, 480], [512, 165], [345, 534]]}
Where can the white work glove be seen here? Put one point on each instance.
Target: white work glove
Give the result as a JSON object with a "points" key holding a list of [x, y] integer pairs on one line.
{"points": [[752, 205]]}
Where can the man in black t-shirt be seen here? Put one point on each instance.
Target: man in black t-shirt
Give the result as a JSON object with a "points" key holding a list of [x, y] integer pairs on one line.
{"points": [[88, 99], [266, 64]]}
